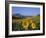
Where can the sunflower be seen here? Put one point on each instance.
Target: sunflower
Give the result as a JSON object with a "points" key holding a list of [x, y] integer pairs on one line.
{"points": [[33, 25], [25, 24]]}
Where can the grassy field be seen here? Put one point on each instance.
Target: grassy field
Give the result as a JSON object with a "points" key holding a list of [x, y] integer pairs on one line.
{"points": [[27, 23]]}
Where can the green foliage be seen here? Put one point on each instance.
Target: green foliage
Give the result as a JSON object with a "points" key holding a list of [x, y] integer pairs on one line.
{"points": [[38, 26], [18, 26], [30, 27]]}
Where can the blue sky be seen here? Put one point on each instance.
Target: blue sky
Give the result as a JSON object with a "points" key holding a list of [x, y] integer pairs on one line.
{"points": [[26, 11]]}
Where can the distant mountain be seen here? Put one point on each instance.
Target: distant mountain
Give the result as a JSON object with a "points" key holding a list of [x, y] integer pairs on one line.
{"points": [[18, 15]]}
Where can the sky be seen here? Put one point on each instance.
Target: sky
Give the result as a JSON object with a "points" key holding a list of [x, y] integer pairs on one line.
{"points": [[26, 11]]}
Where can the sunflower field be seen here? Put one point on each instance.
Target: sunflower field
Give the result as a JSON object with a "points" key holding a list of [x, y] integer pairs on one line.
{"points": [[26, 24]]}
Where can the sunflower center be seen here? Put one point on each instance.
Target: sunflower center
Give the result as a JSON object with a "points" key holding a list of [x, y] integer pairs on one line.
{"points": [[25, 23]]}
